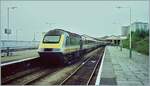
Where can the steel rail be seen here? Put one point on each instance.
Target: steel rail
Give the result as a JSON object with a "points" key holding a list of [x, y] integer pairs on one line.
{"points": [[28, 79], [80, 63], [74, 72], [83, 60], [38, 76], [100, 57], [18, 75], [67, 78]]}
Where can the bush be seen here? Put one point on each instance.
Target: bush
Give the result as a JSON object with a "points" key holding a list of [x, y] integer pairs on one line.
{"points": [[140, 41]]}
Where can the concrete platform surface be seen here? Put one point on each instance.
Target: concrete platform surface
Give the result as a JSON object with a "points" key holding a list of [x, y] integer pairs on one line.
{"points": [[20, 55], [118, 69]]}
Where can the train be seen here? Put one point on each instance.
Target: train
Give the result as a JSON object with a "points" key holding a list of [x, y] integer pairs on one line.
{"points": [[61, 46]]}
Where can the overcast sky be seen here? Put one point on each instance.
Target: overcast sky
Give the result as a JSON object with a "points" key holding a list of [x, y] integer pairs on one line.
{"points": [[94, 18]]}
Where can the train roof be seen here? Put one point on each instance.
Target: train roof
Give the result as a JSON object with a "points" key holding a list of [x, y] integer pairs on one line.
{"points": [[61, 31]]}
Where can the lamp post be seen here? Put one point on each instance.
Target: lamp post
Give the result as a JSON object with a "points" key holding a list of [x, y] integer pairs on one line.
{"points": [[130, 40], [36, 34], [0, 40], [8, 29], [34, 38]]}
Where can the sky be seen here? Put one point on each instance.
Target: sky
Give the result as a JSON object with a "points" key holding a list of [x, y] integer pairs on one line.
{"points": [[94, 18]]}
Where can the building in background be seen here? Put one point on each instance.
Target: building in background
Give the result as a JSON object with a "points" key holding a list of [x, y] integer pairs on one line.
{"points": [[125, 30], [139, 25]]}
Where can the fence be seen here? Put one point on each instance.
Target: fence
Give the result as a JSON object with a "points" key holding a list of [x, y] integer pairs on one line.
{"points": [[18, 44], [12, 46]]}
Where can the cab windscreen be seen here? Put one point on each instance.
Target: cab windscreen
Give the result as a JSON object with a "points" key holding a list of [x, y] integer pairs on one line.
{"points": [[51, 39]]}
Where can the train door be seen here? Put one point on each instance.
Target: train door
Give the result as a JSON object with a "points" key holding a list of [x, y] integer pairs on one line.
{"points": [[81, 44], [67, 44]]}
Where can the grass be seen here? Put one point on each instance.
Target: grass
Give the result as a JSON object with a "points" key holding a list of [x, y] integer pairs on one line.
{"points": [[142, 46]]}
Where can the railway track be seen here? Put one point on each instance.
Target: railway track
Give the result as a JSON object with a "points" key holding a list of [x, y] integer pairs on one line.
{"points": [[30, 78], [52, 79], [15, 67], [10, 78], [83, 75], [34, 74], [15, 73]]}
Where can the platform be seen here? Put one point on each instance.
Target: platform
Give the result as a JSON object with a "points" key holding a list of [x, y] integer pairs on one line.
{"points": [[19, 55], [118, 69]]}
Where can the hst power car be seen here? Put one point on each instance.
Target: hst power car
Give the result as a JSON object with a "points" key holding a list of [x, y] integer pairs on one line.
{"points": [[60, 46]]}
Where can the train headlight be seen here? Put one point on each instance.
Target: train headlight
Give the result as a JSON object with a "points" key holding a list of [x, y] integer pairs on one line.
{"points": [[56, 49]]}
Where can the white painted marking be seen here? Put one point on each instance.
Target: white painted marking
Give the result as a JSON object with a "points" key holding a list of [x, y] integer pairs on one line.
{"points": [[93, 61], [8, 63], [97, 83]]}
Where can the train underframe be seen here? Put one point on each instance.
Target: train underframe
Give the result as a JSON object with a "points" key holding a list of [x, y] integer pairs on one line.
{"points": [[63, 59]]}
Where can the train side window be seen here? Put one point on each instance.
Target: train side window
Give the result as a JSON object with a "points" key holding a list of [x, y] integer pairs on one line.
{"points": [[67, 41], [78, 41], [74, 41]]}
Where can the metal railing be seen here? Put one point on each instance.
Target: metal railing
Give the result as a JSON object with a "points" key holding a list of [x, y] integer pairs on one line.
{"points": [[7, 47]]}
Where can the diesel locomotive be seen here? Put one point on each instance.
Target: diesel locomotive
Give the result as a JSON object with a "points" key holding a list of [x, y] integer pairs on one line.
{"points": [[60, 46]]}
